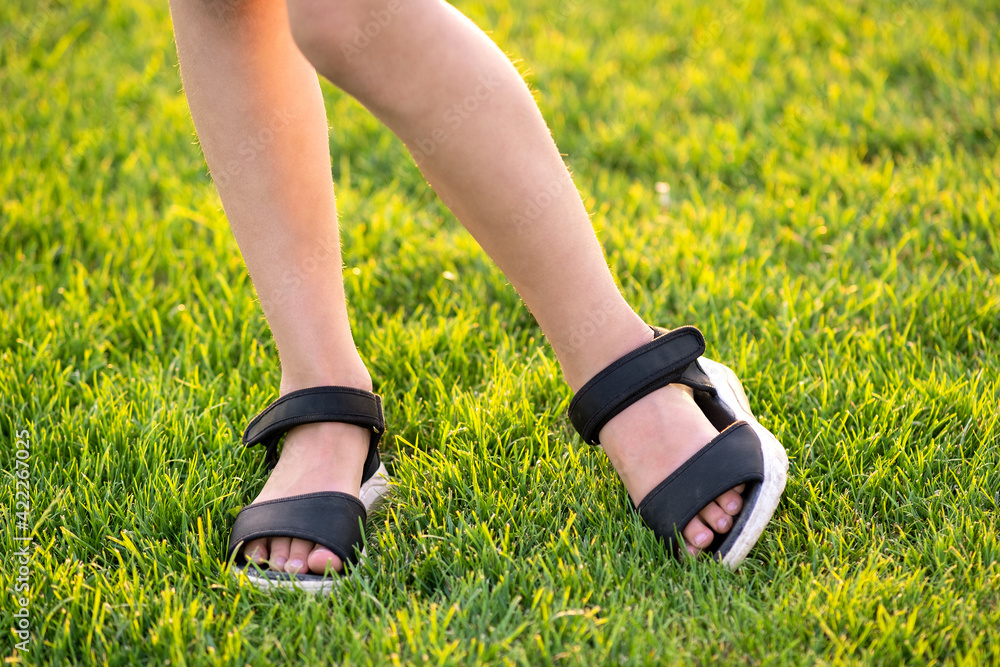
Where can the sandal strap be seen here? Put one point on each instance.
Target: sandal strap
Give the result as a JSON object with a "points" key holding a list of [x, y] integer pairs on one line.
{"points": [[347, 405], [330, 518], [732, 458], [656, 364]]}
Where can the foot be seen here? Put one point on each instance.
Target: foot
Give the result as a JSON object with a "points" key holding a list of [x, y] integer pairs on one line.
{"points": [[324, 456], [653, 437]]}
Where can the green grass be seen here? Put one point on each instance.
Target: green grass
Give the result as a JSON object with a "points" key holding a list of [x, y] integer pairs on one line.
{"points": [[834, 229]]}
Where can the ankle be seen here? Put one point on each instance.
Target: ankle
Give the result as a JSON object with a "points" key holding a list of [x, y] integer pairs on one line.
{"points": [[594, 348], [343, 375]]}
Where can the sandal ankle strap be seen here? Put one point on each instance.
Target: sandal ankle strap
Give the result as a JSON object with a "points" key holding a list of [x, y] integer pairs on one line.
{"points": [[656, 364], [346, 405]]}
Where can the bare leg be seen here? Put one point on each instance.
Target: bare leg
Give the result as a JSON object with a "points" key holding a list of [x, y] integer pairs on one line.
{"points": [[469, 120], [260, 117]]}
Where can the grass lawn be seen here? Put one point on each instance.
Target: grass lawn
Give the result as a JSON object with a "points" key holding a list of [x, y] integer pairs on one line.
{"points": [[833, 227]]}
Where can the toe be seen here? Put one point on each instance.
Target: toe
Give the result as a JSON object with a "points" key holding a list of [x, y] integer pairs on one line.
{"points": [[322, 559], [713, 516], [717, 516], [279, 552], [256, 551], [697, 535], [731, 502], [297, 555]]}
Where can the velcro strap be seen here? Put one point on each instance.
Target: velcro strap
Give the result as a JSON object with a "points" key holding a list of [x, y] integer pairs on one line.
{"points": [[640, 372], [732, 458], [329, 518], [347, 405]]}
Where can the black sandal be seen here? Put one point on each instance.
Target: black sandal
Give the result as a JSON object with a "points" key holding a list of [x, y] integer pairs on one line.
{"points": [[332, 519], [744, 452]]}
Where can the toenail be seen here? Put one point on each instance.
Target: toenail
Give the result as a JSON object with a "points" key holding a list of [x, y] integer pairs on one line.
{"points": [[723, 523], [279, 562], [703, 539], [295, 565], [733, 506]]}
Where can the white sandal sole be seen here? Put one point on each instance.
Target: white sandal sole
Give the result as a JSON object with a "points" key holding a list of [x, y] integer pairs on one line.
{"points": [[775, 464], [373, 493]]}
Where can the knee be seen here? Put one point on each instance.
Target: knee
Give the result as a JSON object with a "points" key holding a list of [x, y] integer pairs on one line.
{"points": [[332, 33], [313, 23]]}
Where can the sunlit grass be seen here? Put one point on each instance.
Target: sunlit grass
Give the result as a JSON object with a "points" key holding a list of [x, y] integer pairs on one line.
{"points": [[832, 227]]}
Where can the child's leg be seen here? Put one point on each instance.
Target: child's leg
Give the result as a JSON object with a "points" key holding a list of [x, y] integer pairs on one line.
{"points": [[262, 125], [464, 112]]}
